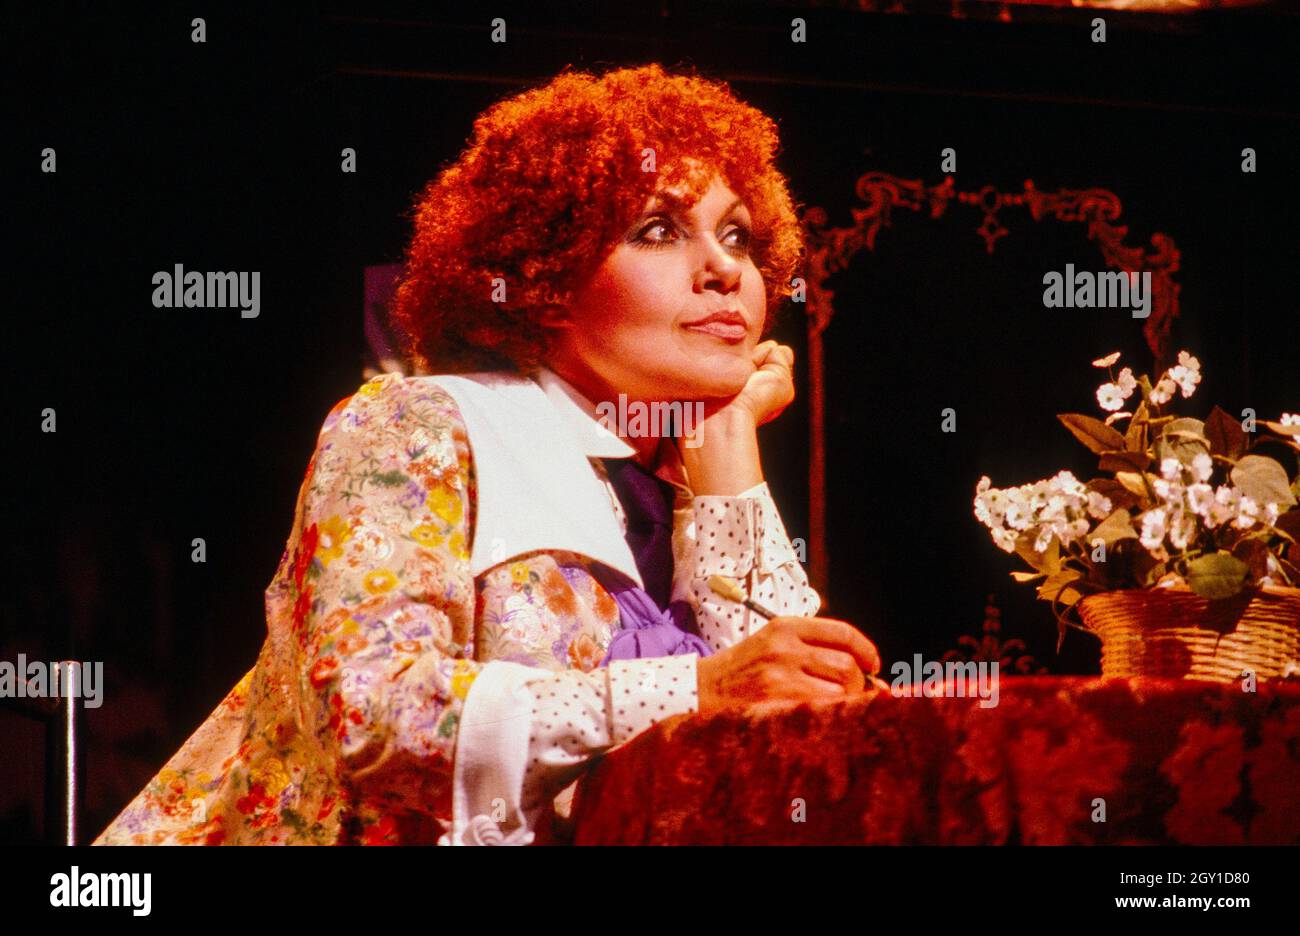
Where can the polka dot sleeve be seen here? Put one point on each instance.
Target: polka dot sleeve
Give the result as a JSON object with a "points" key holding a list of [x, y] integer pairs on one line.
{"points": [[742, 537], [534, 731]]}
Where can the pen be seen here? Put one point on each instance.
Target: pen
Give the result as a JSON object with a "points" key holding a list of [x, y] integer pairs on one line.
{"points": [[730, 589]]}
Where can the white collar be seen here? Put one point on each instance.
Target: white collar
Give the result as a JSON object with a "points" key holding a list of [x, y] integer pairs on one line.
{"points": [[532, 441], [579, 415]]}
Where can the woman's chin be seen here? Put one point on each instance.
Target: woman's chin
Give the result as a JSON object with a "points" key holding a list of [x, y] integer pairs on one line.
{"points": [[718, 383]]}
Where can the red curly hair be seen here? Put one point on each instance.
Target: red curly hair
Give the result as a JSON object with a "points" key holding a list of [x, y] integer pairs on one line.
{"points": [[543, 192]]}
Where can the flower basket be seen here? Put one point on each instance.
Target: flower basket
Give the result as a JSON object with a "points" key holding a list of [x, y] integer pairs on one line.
{"points": [[1185, 563], [1173, 633]]}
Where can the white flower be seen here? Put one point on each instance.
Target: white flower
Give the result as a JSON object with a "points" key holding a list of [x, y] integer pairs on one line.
{"points": [[1098, 505], [1185, 378], [1270, 514], [1109, 396], [1126, 383], [1017, 516], [1153, 528], [1202, 466], [1170, 469], [1182, 530], [1055, 509], [1066, 481], [1224, 507], [1005, 540], [1163, 392], [1107, 361], [1247, 513], [1189, 362], [1044, 539], [1291, 419], [1200, 498]]}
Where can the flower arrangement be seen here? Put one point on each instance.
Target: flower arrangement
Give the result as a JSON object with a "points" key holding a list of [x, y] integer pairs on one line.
{"points": [[1209, 505]]}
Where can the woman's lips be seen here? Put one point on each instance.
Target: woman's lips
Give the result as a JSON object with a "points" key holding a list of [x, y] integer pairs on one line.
{"points": [[730, 332]]}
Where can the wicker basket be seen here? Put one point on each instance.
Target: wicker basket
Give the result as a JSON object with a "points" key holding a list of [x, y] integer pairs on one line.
{"points": [[1172, 633]]}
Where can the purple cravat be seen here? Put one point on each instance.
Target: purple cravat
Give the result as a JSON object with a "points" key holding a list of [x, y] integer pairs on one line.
{"points": [[652, 624]]}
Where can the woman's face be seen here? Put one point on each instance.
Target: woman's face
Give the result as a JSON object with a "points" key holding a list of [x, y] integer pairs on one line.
{"points": [[674, 312]]}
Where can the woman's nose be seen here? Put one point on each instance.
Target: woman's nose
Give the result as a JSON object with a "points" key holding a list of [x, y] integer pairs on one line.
{"points": [[717, 266]]}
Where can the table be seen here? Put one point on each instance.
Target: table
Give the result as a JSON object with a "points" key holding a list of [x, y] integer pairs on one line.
{"points": [[1059, 760]]}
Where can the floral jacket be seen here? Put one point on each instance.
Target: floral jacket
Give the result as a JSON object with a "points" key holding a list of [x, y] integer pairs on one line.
{"points": [[431, 667]]}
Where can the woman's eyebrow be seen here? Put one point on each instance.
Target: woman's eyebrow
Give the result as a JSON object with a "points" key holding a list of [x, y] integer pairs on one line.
{"points": [[677, 204]]}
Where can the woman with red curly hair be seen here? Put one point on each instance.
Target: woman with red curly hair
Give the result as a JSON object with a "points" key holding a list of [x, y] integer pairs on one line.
{"points": [[489, 581]]}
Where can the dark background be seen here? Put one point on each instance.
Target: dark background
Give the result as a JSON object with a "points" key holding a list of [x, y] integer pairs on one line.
{"points": [[183, 423]]}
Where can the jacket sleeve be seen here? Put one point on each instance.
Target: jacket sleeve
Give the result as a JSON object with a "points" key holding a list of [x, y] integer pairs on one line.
{"points": [[742, 537], [383, 614]]}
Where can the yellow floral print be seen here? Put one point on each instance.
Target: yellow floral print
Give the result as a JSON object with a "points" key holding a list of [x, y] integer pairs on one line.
{"points": [[334, 532], [462, 678], [445, 502], [427, 536], [379, 581]]}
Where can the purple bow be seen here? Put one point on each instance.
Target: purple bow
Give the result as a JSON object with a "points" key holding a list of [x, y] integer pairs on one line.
{"points": [[647, 629]]}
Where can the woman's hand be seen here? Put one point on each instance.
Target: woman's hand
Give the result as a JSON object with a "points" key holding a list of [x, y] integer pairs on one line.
{"points": [[769, 390], [722, 456], [791, 659]]}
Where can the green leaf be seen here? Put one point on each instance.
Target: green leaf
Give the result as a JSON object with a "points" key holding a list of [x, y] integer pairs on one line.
{"points": [[393, 478], [1263, 480], [1118, 526], [1182, 439], [1132, 482], [1135, 439], [1094, 433], [1124, 461], [1027, 576], [1052, 589], [1116, 493], [1225, 434], [1048, 561], [1217, 575], [1289, 523], [1255, 554]]}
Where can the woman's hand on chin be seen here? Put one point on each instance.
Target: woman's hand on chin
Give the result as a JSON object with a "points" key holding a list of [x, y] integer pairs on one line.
{"points": [[721, 456], [767, 392]]}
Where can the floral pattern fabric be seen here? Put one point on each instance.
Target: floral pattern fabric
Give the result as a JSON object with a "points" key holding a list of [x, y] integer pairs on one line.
{"points": [[345, 731]]}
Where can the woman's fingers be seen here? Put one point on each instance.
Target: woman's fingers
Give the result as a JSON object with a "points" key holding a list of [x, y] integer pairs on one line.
{"points": [[839, 635], [835, 666]]}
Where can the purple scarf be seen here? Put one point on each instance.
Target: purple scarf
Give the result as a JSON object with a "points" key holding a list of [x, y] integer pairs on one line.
{"points": [[652, 625]]}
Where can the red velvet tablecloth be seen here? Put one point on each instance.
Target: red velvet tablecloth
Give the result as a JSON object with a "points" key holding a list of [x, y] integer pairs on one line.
{"points": [[1165, 762]]}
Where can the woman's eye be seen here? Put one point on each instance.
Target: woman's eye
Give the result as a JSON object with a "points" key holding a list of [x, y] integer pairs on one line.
{"points": [[744, 237], [654, 241], [738, 238]]}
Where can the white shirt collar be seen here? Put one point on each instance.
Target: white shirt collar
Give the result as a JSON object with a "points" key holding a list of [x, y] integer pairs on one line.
{"points": [[593, 437], [532, 442], [579, 414]]}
